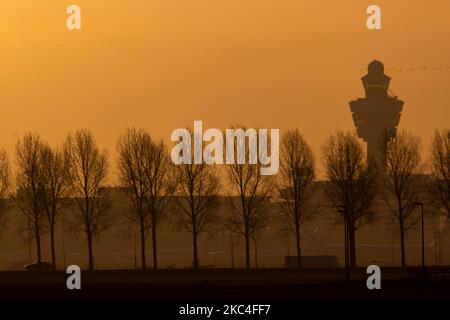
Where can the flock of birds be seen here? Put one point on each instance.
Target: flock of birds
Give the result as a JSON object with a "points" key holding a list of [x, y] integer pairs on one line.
{"points": [[442, 69], [438, 68]]}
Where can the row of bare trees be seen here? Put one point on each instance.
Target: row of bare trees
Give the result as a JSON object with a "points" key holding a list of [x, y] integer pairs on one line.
{"points": [[144, 174], [355, 185], [49, 180], [47, 177]]}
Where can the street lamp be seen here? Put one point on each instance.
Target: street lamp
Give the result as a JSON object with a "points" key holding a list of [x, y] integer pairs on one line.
{"points": [[63, 239], [341, 209], [423, 235]]}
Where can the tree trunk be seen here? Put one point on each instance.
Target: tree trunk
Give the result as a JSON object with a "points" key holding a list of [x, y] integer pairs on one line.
{"points": [[38, 241], [231, 249], [155, 249], [402, 244], [52, 245], [143, 260], [194, 244], [352, 243], [297, 243], [256, 253], [247, 248], [91, 254]]}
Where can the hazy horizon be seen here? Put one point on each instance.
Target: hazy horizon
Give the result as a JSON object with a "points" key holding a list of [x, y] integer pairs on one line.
{"points": [[162, 64]]}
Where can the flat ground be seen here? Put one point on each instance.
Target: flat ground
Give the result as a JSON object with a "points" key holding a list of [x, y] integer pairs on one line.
{"points": [[226, 284]]}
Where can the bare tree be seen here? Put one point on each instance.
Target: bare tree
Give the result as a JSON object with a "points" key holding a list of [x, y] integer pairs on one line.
{"points": [[296, 184], [143, 166], [197, 186], [440, 161], [196, 196], [133, 148], [55, 187], [351, 183], [4, 186], [87, 168], [29, 185], [401, 185], [162, 187], [249, 196]]}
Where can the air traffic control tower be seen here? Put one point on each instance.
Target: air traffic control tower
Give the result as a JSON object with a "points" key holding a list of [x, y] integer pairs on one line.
{"points": [[376, 114]]}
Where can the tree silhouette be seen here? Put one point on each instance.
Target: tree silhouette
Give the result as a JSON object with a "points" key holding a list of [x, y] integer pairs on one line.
{"points": [[5, 175], [161, 189], [296, 184], [248, 198], [30, 186], [351, 183], [196, 195], [143, 172], [401, 186], [440, 163], [87, 168], [133, 148], [55, 188]]}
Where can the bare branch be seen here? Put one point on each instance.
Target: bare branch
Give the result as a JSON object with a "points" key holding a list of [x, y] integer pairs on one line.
{"points": [[87, 168]]}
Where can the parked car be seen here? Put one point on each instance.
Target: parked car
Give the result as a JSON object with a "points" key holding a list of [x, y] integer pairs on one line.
{"points": [[39, 266]]}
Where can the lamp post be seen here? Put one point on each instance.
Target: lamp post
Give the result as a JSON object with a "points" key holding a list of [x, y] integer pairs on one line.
{"points": [[63, 240], [341, 209], [423, 235], [135, 249]]}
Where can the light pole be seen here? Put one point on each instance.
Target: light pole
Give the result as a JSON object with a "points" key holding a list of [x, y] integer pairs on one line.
{"points": [[423, 235], [63, 240], [341, 209], [135, 248]]}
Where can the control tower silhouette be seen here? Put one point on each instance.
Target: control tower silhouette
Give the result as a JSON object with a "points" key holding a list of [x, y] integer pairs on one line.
{"points": [[378, 114]]}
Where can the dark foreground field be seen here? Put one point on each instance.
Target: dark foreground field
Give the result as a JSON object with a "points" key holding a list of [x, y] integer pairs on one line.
{"points": [[226, 284]]}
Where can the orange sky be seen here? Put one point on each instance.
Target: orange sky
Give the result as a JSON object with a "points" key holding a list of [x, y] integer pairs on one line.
{"points": [[161, 64]]}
